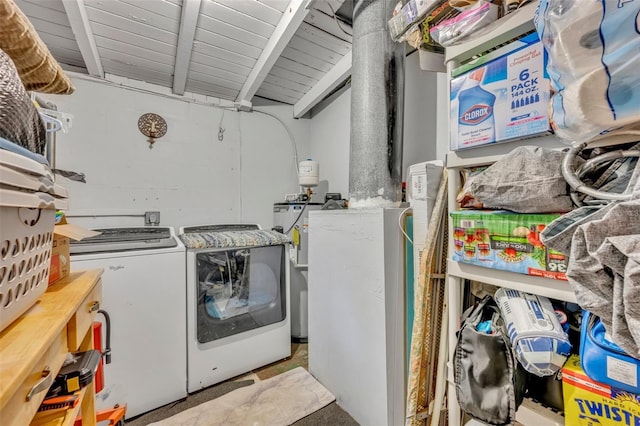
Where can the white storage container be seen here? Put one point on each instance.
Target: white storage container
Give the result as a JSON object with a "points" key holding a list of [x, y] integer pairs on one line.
{"points": [[308, 173], [422, 190], [27, 218], [17, 172], [26, 234]]}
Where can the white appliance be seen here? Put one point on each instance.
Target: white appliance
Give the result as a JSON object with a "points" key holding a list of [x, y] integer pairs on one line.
{"points": [[424, 182], [356, 311], [143, 290], [293, 217], [237, 308]]}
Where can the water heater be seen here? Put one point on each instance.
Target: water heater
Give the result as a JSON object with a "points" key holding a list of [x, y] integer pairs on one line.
{"points": [[294, 217]]}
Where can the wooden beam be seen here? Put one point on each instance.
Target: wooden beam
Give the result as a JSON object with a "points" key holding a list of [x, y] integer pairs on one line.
{"points": [[77, 14], [331, 80], [284, 31], [186, 35]]}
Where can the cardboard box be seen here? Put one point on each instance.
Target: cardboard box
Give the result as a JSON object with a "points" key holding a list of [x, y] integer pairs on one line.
{"points": [[505, 240], [591, 403], [62, 232], [502, 96]]}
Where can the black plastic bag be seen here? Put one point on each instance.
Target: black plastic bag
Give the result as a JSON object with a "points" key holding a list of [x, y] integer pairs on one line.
{"points": [[490, 384]]}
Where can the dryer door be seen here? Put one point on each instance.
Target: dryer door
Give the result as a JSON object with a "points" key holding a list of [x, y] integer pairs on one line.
{"points": [[239, 290]]}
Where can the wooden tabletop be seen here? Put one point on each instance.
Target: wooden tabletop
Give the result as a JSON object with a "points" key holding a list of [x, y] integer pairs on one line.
{"points": [[29, 337]]}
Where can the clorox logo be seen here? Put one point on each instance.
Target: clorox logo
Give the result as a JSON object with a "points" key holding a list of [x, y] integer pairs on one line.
{"points": [[476, 114]]}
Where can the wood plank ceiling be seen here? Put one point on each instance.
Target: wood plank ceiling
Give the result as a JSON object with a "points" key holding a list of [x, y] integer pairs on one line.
{"points": [[290, 51]]}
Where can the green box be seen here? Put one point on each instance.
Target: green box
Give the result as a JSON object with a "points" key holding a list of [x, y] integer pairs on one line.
{"points": [[505, 240]]}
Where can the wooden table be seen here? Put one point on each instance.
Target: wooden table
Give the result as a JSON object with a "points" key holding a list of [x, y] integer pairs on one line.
{"points": [[34, 347]]}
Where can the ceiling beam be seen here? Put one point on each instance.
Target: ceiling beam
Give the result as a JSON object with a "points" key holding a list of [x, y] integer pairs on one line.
{"points": [[186, 35], [77, 14], [336, 75], [284, 31]]}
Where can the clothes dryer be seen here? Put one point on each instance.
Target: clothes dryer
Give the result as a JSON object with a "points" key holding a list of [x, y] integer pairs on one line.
{"points": [[237, 304]]}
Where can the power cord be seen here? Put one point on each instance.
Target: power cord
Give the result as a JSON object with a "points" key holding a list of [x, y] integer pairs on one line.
{"points": [[291, 138], [220, 129], [400, 224], [335, 18]]}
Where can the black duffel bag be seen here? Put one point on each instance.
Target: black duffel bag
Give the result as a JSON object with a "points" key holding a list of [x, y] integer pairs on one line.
{"points": [[490, 384]]}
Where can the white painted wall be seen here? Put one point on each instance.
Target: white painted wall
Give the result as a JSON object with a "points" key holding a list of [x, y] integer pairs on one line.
{"points": [[269, 170], [329, 140], [443, 116], [189, 176], [420, 114], [424, 127]]}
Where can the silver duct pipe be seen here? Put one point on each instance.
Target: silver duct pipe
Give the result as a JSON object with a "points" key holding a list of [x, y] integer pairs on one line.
{"points": [[377, 108]]}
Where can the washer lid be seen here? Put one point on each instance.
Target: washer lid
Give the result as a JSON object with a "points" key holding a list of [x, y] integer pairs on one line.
{"points": [[123, 239]]}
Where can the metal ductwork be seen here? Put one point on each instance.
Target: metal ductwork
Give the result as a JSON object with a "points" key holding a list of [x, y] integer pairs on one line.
{"points": [[377, 108]]}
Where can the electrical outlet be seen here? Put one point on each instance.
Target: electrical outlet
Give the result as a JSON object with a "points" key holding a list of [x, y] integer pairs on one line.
{"points": [[151, 218]]}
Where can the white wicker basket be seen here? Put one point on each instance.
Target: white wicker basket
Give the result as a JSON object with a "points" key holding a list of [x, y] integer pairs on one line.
{"points": [[26, 235], [28, 199]]}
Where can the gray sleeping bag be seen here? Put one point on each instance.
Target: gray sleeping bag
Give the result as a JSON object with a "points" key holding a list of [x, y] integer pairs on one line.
{"points": [[527, 180]]}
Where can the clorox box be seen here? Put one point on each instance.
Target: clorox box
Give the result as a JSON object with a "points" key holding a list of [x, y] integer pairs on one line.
{"points": [[590, 403], [501, 96]]}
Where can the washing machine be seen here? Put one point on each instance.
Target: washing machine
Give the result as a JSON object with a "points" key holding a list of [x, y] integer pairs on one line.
{"points": [[237, 302], [143, 291]]}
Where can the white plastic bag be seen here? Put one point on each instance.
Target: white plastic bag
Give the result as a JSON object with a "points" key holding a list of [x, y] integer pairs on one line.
{"points": [[593, 50]]}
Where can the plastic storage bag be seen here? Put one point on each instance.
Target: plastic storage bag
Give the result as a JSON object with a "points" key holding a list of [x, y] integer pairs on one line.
{"points": [[453, 30], [593, 65], [538, 339]]}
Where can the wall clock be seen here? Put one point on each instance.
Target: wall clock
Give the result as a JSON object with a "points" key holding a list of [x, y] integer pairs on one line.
{"points": [[152, 126]]}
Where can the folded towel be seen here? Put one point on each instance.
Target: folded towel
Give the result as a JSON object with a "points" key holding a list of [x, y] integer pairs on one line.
{"points": [[253, 238]]}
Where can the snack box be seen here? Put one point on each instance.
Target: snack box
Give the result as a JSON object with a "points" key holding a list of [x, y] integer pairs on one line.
{"points": [[590, 403], [505, 240], [501, 96]]}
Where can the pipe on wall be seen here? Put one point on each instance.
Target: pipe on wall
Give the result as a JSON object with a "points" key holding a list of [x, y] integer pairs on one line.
{"points": [[377, 108]]}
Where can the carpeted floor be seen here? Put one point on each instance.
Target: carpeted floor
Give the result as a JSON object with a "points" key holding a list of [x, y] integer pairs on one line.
{"points": [[332, 414]]}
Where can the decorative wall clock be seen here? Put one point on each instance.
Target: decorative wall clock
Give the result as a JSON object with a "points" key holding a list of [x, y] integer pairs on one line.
{"points": [[152, 126]]}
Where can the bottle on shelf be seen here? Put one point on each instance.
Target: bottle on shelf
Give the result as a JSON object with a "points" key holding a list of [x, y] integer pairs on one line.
{"points": [[475, 109]]}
